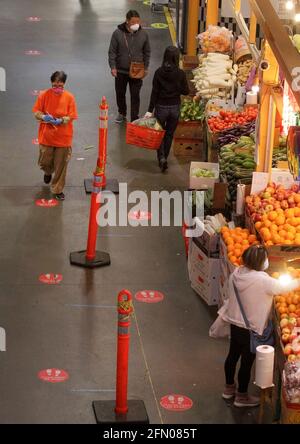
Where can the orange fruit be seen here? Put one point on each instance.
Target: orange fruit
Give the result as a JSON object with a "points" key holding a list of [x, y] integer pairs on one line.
{"points": [[282, 310], [238, 253], [252, 238], [276, 239], [269, 243], [238, 246], [229, 241], [292, 308], [289, 213], [245, 242], [233, 259], [272, 215], [294, 221], [282, 233], [258, 225], [295, 299], [265, 233], [267, 223], [288, 242], [297, 200], [290, 236], [280, 220], [230, 248]]}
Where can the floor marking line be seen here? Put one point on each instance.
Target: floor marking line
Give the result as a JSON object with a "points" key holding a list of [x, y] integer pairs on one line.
{"points": [[147, 366], [90, 306], [93, 390], [170, 24]]}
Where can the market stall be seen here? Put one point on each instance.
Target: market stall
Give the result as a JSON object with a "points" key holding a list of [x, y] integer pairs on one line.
{"points": [[250, 116]]}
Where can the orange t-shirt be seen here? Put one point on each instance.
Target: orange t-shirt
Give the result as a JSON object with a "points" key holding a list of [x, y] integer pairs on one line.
{"points": [[58, 105]]}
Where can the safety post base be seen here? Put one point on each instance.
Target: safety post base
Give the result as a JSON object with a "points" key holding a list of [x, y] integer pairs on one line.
{"points": [[79, 258], [112, 186], [105, 413]]}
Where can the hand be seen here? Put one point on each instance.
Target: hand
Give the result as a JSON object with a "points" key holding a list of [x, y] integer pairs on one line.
{"points": [[114, 72], [148, 115], [47, 118], [56, 121]]}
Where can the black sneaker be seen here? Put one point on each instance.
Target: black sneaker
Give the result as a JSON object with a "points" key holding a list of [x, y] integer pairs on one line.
{"points": [[47, 178], [120, 118], [59, 196]]}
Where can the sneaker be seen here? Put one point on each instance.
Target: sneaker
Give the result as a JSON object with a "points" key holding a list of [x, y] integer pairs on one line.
{"points": [[47, 178], [59, 196], [120, 118], [229, 391], [245, 400]]}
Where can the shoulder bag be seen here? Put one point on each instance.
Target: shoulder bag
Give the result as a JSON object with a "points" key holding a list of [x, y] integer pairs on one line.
{"points": [[256, 340], [136, 69]]}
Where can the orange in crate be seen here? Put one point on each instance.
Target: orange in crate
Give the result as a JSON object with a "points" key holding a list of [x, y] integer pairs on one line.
{"points": [[144, 137]]}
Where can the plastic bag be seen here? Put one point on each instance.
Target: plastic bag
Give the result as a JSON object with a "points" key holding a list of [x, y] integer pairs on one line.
{"points": [[216, 39], [151, 122]]}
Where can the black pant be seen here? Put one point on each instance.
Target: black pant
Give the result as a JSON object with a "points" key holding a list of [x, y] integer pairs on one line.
{"points": [[239, 347], [135, 86], [168, 118]]}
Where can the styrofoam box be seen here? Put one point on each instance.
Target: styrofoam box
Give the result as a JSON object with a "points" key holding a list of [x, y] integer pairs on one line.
{"points": [[198, 259], [203, 183]]}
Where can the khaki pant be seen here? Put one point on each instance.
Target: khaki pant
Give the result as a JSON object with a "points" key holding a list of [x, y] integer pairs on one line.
{"points": [[55, 160]]}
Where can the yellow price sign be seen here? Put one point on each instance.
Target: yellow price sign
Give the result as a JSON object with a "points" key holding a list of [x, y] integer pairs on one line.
{"points": [[159, 25]]}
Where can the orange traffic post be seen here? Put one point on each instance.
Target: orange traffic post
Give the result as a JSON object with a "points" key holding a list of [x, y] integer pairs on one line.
{"points": [[110, 185], [122, 410], [90, 258]]}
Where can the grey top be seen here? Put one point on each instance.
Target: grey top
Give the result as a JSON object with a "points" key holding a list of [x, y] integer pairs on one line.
{"points": [[120, 56]]}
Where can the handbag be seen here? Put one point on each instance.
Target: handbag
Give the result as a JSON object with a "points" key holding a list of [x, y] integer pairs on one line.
{"points": [[220, 328], [136, 69], [256, 340]]}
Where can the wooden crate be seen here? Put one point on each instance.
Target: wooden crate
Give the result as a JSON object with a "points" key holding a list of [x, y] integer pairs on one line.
{"points": [[190, 62], [188, 148], [189, 130]]}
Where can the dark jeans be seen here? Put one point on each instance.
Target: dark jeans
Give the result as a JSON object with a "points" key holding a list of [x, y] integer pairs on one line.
{"points": [[168, 117], [239, 348], [135, 85]]}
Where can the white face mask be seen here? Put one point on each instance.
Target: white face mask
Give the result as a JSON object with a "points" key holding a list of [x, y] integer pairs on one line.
{"points": [[134, 27], [266, 264]]}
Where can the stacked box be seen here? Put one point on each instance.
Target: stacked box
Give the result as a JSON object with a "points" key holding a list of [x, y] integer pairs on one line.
{"points": [[188, 140], [226, 269], [204, 273], [210, 244]]}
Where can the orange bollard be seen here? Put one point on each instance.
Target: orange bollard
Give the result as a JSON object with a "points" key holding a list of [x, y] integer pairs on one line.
{"points": [[90, 258], [121, 410], [124, 310]]}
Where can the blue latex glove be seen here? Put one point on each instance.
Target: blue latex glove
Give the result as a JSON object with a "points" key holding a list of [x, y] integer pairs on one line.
{"points": [[47, 118], [56, 121]]}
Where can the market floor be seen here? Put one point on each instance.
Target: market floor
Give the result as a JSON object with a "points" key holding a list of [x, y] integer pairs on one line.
{"points": [[72, 325]]}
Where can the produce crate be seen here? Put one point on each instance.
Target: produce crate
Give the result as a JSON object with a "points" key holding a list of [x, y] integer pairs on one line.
{"points": [[203, 183], [192, 87], [192, 129], [190, 62], [188, 148], [290, 413]]}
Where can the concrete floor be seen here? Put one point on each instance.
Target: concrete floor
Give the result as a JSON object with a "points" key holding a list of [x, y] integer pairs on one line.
{"points": [[72, 326]]}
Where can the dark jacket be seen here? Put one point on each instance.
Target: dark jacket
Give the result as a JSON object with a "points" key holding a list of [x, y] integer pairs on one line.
{"points": [[138, 44], [169, 83]]}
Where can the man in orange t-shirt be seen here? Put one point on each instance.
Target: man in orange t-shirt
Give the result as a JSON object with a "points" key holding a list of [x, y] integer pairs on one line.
{"points": [[55, 108]]}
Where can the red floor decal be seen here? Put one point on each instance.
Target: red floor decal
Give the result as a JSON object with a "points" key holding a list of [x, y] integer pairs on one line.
{"points": [[35, 141], [139, 215], [53, 375], [51, 278], [176, 403], [149, 296], [47, 203], [33, 19], [33, 52]]}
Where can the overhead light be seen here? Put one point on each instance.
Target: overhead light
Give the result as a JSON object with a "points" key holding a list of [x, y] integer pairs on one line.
{"points": [[285, 279], [255, 89], [289, 5]]}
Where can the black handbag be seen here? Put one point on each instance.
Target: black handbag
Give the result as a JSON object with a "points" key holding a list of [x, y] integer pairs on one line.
{"points": [[256, 340]]}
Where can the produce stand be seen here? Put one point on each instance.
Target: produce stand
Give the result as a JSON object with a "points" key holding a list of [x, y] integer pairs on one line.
{"points": [[250, 119]]}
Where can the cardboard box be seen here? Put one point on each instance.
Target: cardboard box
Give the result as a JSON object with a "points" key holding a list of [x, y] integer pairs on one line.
{"points": [[210, 244], [203, 183], [191, 149], [189, 130], [190, 62], [290, 413], [204, 273]]}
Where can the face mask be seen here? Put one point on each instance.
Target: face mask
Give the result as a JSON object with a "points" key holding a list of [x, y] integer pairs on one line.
{"points": [[266, 264], [134, 27], [57, 90]]}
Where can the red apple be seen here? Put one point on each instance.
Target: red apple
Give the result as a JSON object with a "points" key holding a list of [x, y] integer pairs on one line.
{"points": [[280, 197], [284, 205], [285, 331], [292, 358], [269, 208], [295, 188], [285, 338], [298, 322], [288, 350]]}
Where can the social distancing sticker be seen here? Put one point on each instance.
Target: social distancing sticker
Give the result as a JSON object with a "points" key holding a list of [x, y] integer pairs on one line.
{"points": [[176, 403], [159, 25], [46, 203], [149, 296], [33, 18], [53, 375], [33, 52], [51, 278], [139, 215]]}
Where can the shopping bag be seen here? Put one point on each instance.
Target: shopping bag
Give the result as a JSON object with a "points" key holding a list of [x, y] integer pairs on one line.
{"points": [[219, 329]]}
